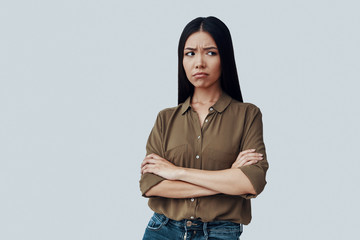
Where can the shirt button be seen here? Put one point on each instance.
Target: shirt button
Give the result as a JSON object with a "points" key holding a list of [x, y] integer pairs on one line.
{"points": [[211, 109], [192, 199], [197, 156], [206, 120], [192, 217], [198, 137]]}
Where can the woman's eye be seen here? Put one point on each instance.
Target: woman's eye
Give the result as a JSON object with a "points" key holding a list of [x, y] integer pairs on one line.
{"points": [[190, 54], [211, 53]]}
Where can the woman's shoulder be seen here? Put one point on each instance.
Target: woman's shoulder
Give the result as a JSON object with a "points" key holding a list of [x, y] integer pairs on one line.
{"points": [[244, 105], [169, 111], [246, 110]]}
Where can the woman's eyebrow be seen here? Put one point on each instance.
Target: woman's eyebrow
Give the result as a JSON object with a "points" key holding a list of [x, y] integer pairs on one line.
{"points": [[211, 47], [205, 48]]}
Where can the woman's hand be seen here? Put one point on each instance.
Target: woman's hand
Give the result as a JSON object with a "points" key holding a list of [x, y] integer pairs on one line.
{"points": [[155, 164], [247, 157]]}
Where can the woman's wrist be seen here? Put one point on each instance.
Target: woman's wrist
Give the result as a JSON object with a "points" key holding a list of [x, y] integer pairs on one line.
{"points": [[180, 173]]}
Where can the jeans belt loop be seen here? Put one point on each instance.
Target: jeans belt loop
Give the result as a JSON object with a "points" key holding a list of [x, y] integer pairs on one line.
{"points": [[205, 230]]}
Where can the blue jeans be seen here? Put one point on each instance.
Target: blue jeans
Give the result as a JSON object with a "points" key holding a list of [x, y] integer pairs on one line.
{"points": [[162, 228]]}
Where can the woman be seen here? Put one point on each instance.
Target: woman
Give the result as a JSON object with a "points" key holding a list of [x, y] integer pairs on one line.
{"points": [[205, 157]]}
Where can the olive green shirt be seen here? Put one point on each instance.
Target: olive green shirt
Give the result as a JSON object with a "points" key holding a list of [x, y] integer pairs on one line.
{"points": [[229, 127]]}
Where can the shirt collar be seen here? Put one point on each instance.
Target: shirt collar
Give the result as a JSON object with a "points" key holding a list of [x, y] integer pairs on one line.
{"points": [[219, 106], [186, 105]]}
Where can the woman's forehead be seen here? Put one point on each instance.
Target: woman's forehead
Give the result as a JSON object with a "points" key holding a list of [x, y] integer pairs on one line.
{"points": [[200, 39]]}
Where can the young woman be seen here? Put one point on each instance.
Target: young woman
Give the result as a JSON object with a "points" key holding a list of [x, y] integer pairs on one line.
{"points": [[205, 157]]}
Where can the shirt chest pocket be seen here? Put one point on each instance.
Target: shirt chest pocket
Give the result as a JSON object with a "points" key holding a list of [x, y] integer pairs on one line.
{"points": [[178, 155], [218, 160]]}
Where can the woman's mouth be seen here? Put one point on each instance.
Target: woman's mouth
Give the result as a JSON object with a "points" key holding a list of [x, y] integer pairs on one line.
{"points": [[200, 75]]}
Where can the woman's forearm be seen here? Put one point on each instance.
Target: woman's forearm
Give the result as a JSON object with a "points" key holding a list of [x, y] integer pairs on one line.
{"points": [[229, 181], [178, 189]]}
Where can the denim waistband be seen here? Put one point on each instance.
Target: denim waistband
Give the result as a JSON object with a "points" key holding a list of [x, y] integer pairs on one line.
{"points": [[197, 224]]}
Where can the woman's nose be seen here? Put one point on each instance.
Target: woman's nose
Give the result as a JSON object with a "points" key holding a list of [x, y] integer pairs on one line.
{"points": [[199, 61]]}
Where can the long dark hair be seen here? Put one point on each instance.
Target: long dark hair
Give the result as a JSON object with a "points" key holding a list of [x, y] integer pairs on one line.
{"points": [[221, 34]]}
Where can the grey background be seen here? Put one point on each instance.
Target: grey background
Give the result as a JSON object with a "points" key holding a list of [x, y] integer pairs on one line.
{"points": [[81, 83]]}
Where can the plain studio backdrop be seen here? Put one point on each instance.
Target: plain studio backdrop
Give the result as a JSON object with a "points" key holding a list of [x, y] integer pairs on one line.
{"points": [[81, 83]]}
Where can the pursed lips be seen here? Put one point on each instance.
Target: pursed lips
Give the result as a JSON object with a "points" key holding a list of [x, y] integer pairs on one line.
{"points": [[200, 75]]}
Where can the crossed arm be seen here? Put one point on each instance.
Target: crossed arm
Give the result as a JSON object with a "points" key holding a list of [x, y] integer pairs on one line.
{"points": [[187, 182]]}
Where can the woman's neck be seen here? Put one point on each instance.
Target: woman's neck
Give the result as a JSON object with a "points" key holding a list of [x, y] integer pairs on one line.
{"points": [[204, 96]]}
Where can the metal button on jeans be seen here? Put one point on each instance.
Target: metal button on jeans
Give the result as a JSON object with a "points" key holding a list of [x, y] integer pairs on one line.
{"points": [[188, 223]]}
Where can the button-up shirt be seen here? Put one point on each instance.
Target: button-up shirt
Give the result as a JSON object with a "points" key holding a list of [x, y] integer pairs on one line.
{"points": [[229, 128]]}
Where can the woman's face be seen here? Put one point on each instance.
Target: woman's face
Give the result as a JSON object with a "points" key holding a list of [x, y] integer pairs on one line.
{"points": [[202, 60]]}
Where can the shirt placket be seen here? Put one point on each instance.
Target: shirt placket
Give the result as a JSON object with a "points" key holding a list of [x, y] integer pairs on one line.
{"points": [[198, 151]]}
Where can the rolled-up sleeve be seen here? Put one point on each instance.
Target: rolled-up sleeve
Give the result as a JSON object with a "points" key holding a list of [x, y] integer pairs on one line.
{"points": [[253, 139], [154, 145]]}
